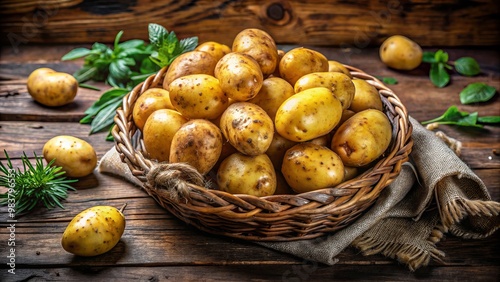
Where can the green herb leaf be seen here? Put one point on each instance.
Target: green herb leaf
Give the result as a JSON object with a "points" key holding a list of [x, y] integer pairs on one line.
{"points": [[429, 57], [157, 34], [477, 92], [104, 118], [454, 116], [75, 54], [440, 56], [438, 75], [489, 119], [389, 80], [467, 66]]}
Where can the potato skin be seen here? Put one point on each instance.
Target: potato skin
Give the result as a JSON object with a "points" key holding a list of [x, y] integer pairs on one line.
{"points": [[240, 76], [192, 62], [260, 46], [335, 66], [76, 156], [198, 96], [308, 114], [401, 53], [159, 131], [151, 100], [251, 175], [198, 143], [340, 85], [278, 148], [365, 97], [308, 167], [272, 94], [51, 88], [301, 61], [248, 128], [216, 49], [362, 138]]}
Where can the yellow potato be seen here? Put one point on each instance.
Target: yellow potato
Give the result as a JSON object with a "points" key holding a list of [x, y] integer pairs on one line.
{"points": [[198, 96], [401, 53], [260, 46], [192, 62], [308, 114], [159, 131], [76, 156], [278, 148], [52, 88], [282, 188], [251, 175], [240, 76], [334, 66], [276, 72], [301, 61], [308, 167], [216, 49], [366, 97], [151, 100], [247, 127], [350, 172], [198, 143], [340, 85], [273, 93], [362, 138]]}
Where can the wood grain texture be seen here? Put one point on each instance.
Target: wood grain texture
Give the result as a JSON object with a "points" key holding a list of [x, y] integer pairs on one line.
{"points": [[340, 23]]}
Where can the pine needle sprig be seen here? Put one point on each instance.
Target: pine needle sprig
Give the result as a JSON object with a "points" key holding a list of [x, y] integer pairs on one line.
{"points": [[34, 186]]}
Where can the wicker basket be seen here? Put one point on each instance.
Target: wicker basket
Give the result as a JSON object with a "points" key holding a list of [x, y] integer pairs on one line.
{"points": [[271, 218]]}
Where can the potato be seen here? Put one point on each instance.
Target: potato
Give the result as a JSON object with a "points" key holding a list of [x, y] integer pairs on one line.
{"points": [[278, 148], [260, 46], [340, 85], [251, 175], [401, 53], [362, 138], [308, 114], [334, 66], [248, 128], [216, 49], [282, 188], [350, 172], [198, 143], [276, 72], [151, 100], [308, 167], [76, 156], [365, 97], [198, 96], [192, 62], [159, 130], [240, 76], [324, 140], [51, 88], [94, 231], [301, 61], [273, 93]]}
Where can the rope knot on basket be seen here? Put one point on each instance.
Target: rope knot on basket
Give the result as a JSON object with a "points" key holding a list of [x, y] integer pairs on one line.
{"points": [[175, 178]]}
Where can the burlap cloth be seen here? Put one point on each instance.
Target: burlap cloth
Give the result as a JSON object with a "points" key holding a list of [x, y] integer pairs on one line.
{"points": [[435, 193]]}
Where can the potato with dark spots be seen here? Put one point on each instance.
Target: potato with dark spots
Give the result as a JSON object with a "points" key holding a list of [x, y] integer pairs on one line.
{"points": [[365, 97], [198, 96], [308, 167], [51, 88], [260, 46], [94, 231], [340, 84], [363, 138], [301, 61], [151, 100], [272, 94], [192, 62], [216, 49], [240, 76], [401, 53], [76, 156], [278, 148], [248, 128], [198, 143], [334, 66], [243, 174], [308, 114]]}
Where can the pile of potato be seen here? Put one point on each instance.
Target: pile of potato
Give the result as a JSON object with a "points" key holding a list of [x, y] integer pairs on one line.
{"points": [[264, 120]]}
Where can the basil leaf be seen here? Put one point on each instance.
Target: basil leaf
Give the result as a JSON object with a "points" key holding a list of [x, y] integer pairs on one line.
{"points": [[75, 54], [147, 66], [467, 66], [107, 96], [389, 80], [429, 57], [489, 119], [188, 44], [129, 44], [477, 92], [105, 117], [453, 116], [438, 75], [441, 57], [157, 34]]}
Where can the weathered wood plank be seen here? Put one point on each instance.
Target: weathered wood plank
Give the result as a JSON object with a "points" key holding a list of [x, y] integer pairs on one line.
{"points": [[313, 22]]}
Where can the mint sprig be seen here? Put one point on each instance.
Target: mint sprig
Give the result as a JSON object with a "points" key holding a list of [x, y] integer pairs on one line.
{"points": [[440, 66]]}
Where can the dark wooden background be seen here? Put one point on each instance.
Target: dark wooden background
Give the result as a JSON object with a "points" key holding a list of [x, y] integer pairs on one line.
{"points": [[332, 23]]}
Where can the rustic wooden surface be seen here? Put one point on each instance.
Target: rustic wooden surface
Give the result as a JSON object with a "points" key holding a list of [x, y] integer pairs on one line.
{"points": [[158, 247], [341, 23]]}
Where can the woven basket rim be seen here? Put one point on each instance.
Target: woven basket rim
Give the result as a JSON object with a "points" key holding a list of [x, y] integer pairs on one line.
{"points": [[346, 200]]}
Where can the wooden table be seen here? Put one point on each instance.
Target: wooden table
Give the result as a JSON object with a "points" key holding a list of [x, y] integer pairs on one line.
{"points": [[157, 247]]}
